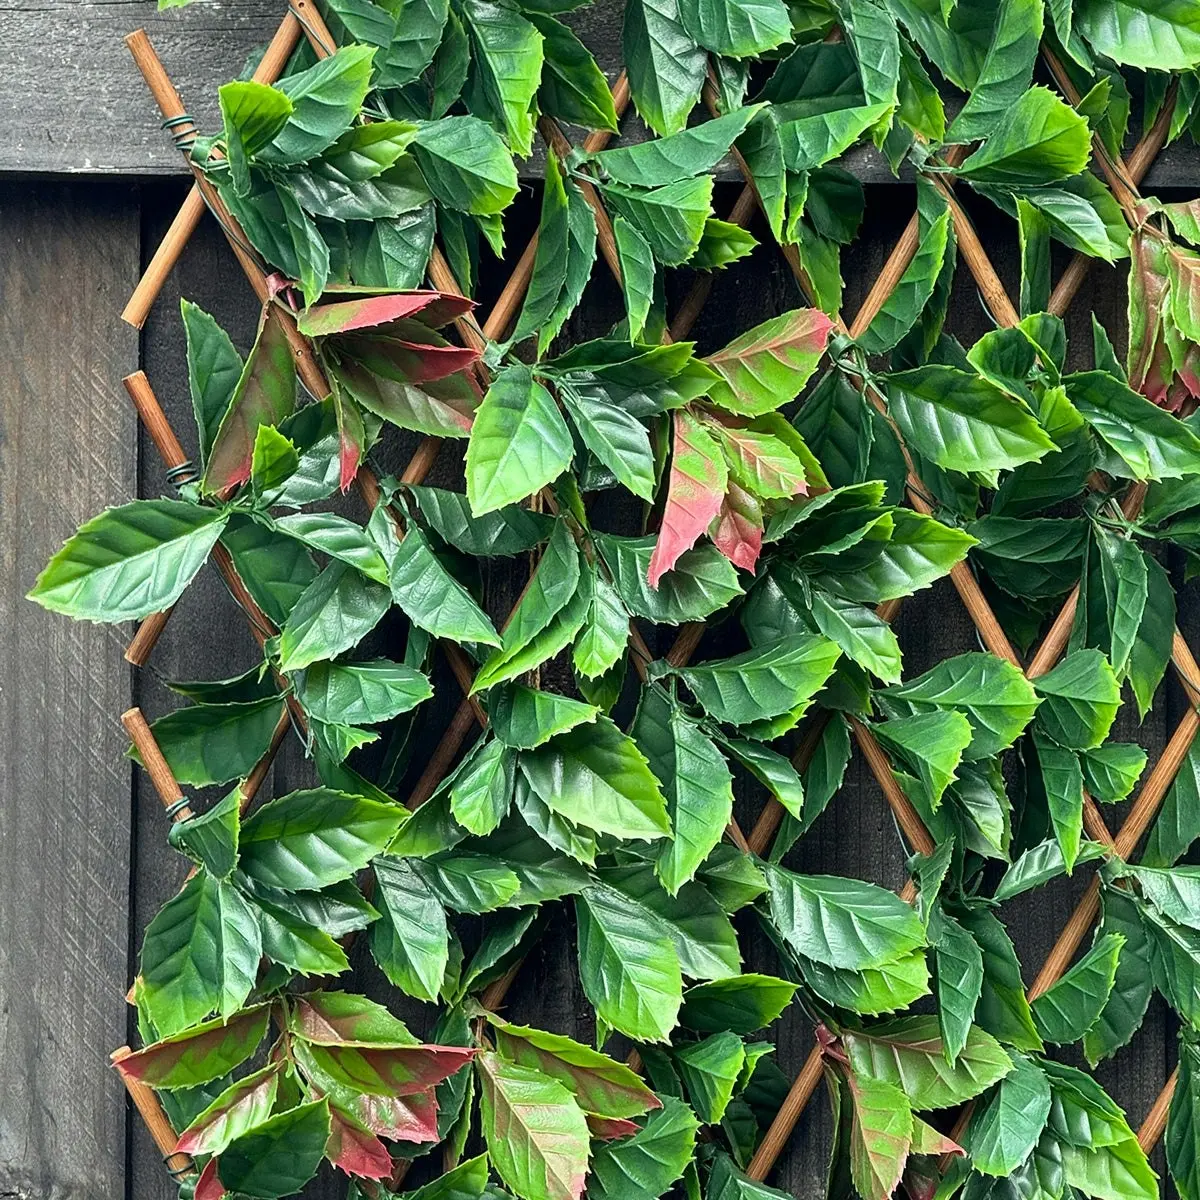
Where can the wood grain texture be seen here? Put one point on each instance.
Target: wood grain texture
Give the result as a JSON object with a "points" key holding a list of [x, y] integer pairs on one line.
{"points": [[67, 258], [70, 56]]}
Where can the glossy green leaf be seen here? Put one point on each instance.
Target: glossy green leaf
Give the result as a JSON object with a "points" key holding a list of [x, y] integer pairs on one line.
{"points": [[1081, 697], [279, 1156], [666, 66], [313, 838], [841, 922], [214, 368], [466, 165], [339, 608], [503, 533], [959, 964], [1003, 1134], [931, 743], [1072, 1005], [409, 942], [671, 219], [340, 539], [649, 1161], [519, 442], [129, 561]]}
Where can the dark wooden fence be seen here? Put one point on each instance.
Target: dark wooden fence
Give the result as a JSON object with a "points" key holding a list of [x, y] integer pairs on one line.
{"points": [[83, 857]]}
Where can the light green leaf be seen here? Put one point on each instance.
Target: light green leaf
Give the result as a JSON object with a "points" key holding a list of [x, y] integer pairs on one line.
{"points": [[364, 693], [325, 100], [409, 941], [1003, 1134], [666, 66], [335, 612], [931, 743], [466, 165], [1073, 1004], [1081, 699], [519, 442], [671, 219], [710, 1070], [597, 777]]}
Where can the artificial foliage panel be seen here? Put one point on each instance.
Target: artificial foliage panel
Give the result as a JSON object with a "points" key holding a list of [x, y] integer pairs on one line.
{"points": [[792, 486]]}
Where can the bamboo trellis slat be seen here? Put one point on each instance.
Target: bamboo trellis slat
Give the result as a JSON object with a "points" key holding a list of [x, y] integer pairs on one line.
{"points": [[1123, 178]]}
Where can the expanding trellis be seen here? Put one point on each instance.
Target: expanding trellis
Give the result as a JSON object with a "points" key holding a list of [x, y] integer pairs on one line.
{"points": [[815, 506]]}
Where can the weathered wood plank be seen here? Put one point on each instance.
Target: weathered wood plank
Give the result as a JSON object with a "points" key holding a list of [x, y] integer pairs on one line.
{"points": [[68, 257], [92, 114]]}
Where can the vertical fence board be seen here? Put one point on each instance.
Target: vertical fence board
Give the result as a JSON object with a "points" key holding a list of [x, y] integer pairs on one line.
{"points": [[67, 259]]}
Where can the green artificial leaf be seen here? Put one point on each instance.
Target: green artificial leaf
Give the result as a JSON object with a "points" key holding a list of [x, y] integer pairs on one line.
{"points": [[618, 440], [1034, 558], [931, 743], [665, 160], [1152, 443], [409, 941], [482, 790], [892, 986], [959, 964], [1003, 1008], [768, 366], [918, 551], [600, 643], [637, 275], [573, 88], [1003, 1134], [525, 718], [962, 422], [627, 965], [1033, 228], [200, 954], [705, 942], [1038, 140], [310, 839], [710, 1070], [469, 883], [130, 561], [336, 611], [992, 694], [843, 923], [1073, 1004], [1178, 823], [549, 264], [506, 63], [519, 442], [671, 219], [325, 100], [274, 461], [365, 693], [466, 164], [1133, 985], [503, 533], [695, 780], [211, 838], [1062, 784], [647, 1162], [1081, 697], [340, 539], [1113, 601], [666, 66], [1182, 1142], [743, 1004], [1039, 864], [432, 598], [701, 581], [1141, 33], [907, 1052], [774, 771], [764, 682], [214, 368], [597, 777], [279, 1156], [1153, 643], [739, 28]]}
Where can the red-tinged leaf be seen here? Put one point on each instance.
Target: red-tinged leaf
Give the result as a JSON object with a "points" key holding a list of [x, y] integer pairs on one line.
{"points": [[762, 463], [412, 354], [431, 308], [880, 1136], [927, 1140], [351, 438], [241, 1106], [697, 485], [398, 1118], [608, 1129], [737, 530], [265, 394], [331, 1017], [208, 1186], [355, 1150], [200, 1054], [389, 1071], [444, 408], [767, 366], [600, 1084], [1148, 296]]}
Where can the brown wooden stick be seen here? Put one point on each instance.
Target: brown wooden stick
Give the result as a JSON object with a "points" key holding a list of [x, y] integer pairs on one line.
{"points": [[157, 767], [147, 1104], [137, 653], [188, 217]]}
